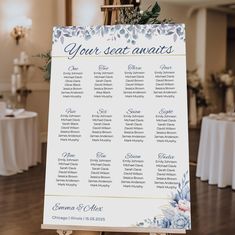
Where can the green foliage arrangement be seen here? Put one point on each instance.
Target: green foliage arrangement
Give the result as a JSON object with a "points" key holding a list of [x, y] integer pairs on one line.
{"points": [[135, 16], [46, 68]]}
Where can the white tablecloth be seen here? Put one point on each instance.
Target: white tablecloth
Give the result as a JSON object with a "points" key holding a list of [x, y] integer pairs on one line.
{"points": [[216, 156], [19, 143]]}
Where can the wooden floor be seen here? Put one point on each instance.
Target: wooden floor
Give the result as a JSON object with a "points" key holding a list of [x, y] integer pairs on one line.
{"points": [[21, 203]]}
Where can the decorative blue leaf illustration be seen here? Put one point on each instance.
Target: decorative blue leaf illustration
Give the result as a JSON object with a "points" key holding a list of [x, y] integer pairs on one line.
{"points": [[57, 33], [130, 32], [175, 37], [170, 32], [135, 36], [179, 31], [177, 214], [62, 40], [122, 31]]}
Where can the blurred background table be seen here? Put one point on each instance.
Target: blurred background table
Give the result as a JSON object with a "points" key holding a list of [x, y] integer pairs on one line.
{"points": [[216, 154], [19, 143]]}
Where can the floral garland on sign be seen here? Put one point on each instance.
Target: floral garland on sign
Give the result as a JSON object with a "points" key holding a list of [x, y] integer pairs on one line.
{"points": [[175, 215], [128, 32]]}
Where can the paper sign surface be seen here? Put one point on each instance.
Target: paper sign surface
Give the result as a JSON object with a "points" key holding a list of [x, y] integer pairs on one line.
{"points": [[118, 141]]}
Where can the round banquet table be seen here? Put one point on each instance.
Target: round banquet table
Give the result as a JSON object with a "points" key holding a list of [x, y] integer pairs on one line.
{"points": [[19, 143], [216, 155]]}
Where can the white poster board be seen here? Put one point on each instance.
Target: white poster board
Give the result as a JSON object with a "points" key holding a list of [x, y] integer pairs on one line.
{"points": [[117, 157]]}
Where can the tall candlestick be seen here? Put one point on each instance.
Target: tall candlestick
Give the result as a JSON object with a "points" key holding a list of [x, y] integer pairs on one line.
{"points": [[13, 84], [23, 58], [18, 81], [16, 69], [16, 61]]}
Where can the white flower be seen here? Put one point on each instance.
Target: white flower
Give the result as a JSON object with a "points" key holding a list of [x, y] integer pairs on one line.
{"points": [[227, 78], [194, 80]]}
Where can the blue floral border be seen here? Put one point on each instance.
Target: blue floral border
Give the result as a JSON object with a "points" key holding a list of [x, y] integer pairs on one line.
{"points": [[130, 32], [176, 215]]}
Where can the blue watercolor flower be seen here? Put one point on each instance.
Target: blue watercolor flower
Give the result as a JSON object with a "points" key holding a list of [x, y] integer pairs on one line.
{"points": [[181, 221], [164, 223]]}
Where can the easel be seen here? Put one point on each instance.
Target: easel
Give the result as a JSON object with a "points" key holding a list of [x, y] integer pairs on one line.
{"points": [[111, 14]]}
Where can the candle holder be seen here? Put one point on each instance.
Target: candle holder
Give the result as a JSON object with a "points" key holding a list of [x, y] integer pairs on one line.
{"points": [[23, 92], [22, 95]]}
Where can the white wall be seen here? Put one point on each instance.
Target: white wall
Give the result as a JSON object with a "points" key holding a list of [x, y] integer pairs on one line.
{"points": [[211, 42], [87, 12], [60, 12], [201, 35], [216, 49], [216, 42]]}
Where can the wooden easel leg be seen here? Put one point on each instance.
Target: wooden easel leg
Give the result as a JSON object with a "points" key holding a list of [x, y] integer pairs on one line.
{"points": [[106, 17], [64, 232], [157, 233], [86, 233]]}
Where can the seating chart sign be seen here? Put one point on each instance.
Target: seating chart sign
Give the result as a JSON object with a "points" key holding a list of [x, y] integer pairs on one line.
{"points": [[117, 157]]}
